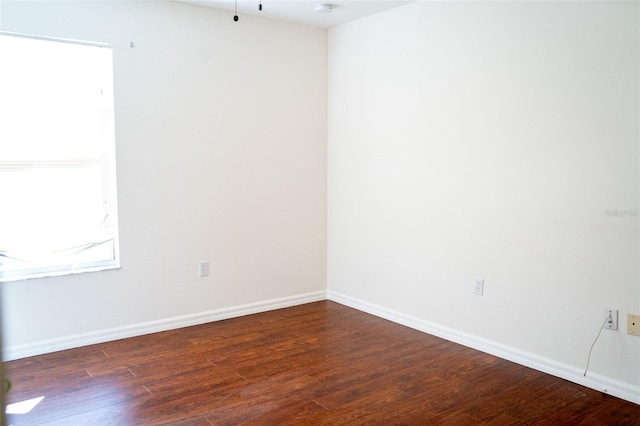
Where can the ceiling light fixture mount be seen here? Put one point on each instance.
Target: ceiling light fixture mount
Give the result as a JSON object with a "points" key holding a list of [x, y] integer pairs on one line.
{"points": [[324, 7]]}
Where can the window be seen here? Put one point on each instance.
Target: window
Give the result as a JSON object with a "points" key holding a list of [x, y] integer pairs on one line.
{"points": [[58, 208]]}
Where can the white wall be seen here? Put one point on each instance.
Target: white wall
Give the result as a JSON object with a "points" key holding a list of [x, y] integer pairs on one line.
{"points": [[488, 139], [221, 155], [465, 139]]}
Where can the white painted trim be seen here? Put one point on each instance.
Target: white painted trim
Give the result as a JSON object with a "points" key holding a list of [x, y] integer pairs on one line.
{"points": [[574, 374], [571, 373], [84, 339]]}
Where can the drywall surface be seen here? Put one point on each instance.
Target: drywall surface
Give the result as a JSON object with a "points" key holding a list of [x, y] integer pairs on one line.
{"points": [[496, 140], [221, 156]]}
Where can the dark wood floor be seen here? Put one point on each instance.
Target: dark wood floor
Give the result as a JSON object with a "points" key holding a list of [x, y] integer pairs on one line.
{"points": [[316, 364]]}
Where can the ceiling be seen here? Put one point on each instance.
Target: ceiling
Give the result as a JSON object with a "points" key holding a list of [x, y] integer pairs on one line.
{"points": [[303, 11]]}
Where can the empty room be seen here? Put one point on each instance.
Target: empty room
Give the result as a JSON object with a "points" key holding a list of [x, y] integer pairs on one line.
{"points": [[325, 213]]}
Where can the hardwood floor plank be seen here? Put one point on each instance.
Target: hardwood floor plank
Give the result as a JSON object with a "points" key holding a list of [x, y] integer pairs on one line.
{"points": [[316, 364]]}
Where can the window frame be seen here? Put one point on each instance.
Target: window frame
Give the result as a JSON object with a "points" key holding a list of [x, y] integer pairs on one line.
{"points": [[104, 164]]}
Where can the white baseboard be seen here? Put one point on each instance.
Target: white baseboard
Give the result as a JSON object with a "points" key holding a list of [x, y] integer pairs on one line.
{"points": [[571, 373], [84, 339], [574, 374]]}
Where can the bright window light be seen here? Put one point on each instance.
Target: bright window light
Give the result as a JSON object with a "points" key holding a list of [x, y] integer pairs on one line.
{"points": [[23, 407], [58, 209]]}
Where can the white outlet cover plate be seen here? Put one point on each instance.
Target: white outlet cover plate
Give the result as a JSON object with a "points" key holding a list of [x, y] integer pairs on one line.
{"points": [[613, 325], [203, 268], [478, 286]]}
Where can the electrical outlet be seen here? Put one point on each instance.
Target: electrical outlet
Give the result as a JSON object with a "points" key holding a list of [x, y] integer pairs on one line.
{"points": [[478, 286], [203, 268], [612, 321], [633, 324]]}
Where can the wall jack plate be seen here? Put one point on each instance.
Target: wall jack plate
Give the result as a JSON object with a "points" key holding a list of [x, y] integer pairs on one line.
{"points": [[612, 323], [633, 324]]}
